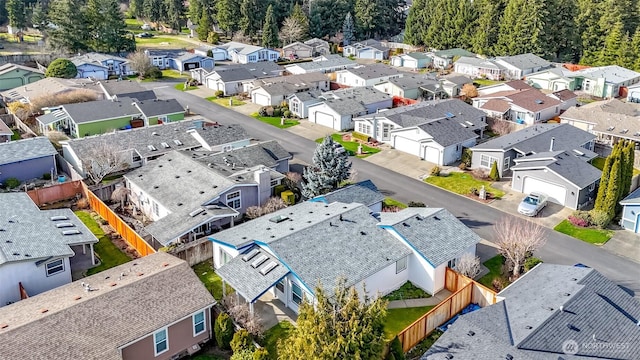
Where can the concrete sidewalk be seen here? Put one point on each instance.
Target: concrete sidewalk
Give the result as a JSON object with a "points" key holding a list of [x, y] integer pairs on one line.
{"points": [[410, 303], [624, 243]]}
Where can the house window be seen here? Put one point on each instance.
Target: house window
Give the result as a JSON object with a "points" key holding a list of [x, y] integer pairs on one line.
{"points": [[507, 163], [486, 161], [54, 267], [162, 119], [295, 106], [451, 264], [199, 325], [364, 128], [224, 257], [296, 293], [592, 187], [457, 147], [156, 208], [401, 265], [161, 342], [274, 183], [280, 286], [386, 128], [136, 157], [233, 200]]}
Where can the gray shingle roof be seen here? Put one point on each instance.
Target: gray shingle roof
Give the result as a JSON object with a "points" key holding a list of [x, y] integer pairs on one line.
{"points": [[434, 232], [249, 71], [296, 79], [374, 71], [537, 139], [159, 107], [100, 110], [332, 61], [451, 53], [364, 192], [525, 61], [165, 290], [612, 117], [633, 198], [571, 166], [544, 308], [118, 87], [409, 82], [352, 101], [481, 63], [28, 233], [26, 149], [268, 153]]}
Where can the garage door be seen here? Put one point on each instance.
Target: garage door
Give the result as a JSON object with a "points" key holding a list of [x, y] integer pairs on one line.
{"points": [[432, 154], [556, 193], [99, 75], [323, 119], [260, 99], [406, 145]]}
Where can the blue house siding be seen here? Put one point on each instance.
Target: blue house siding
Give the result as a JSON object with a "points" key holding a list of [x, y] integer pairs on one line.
{"points": [[88, 70], [29, 169], [630, 214]]}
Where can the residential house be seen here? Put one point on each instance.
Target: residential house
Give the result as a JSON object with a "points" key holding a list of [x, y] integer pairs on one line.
{"points": [[299, 103], [368, 49], [631, 211], [113, 89], [289, 252], [413, 87], [519, 66], [453, 83], [548, 158], [35, 248], [522, 106], [243, 54], [13, 76], [233, 80], [5, 132], [139, 146], [553, 79], [27, 159], [204, 51], [512, 85], [552, 312], [566, 97], [363, 192], [297, 50], [444, 59], [610, 121], [49, 87], [320, 47], [179, 60], [99, 117], [633, 93], [269, 154], [412, 60], [341, 106], [322, 64], [479, 68], [206, 198], [367, 75], [101, 66], [275, 90], [177, 305], [605, 81], [436, 131]]}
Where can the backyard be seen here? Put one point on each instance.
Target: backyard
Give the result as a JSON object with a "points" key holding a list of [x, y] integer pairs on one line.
{"points": [[110, 255], [462, 183], [407, 291], [275, 121], [398, 319], [352, 146], [592, 236], [271, 337], [495, 267], [599, 163], [210, 279]]}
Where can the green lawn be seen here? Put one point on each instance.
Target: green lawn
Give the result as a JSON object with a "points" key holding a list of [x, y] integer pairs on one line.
{"points": [[16, 135], [592, 236], [398, 319], [275, 121], [486, 82], [495, 266], [206, 357], [599, 163], [388, 202], [225, 101], [110, 255], [163, 41], [173, 74], [352, 146], [462, 183], [271, 337], [181, 87], [407, 291], [210, 279]]}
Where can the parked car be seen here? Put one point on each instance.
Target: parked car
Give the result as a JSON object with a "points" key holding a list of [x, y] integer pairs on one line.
{"points": [[145, 35], [145, 26], [338, 148], [532, 204]]}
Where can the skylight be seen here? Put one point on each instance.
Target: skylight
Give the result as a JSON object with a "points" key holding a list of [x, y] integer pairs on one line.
{"points": [[257, 262], [279, 218], [250, 255], [165, 145], [71, 232], [151, 148], [64, 225], [177, 142], [267, 269], [58, 218]]}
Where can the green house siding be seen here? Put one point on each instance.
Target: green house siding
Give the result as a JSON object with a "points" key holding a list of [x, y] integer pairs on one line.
{"points": [[170, 118], [14, 79], [101, 127]]}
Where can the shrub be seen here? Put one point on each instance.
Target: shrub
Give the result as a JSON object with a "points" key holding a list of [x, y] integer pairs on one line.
{"points": [[223, 329], [360, 136], [241, 341], [209, 53], [479, 174], [287, 113], [494, 174], [241, 315], [395, 349], [278, 189], [192, 82], [576, 221], [390, 356], [253, 212], [213, 37], [435, 171], [599, 219], [269, 111], [46, 176], [497, 284], [83, 203], [61, 68], [154, 73], [277, 112], [242, 355], [261, 354], [416, 204], [466, 156], [219, 93], [12, 183], [530, 263], [462, 166], [284, 104]]}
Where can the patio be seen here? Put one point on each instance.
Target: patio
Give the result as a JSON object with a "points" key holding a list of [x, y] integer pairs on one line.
{"points": [[272, 311], [82, 261]]}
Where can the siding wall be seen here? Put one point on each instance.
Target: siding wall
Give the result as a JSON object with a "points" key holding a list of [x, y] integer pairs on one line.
{"points": [[29, 169], [34, 279], [101, 127], [630, 215]]}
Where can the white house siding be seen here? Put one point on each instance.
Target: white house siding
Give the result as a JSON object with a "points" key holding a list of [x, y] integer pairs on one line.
{"points": [[321, 114], [384, 281], [389, 88], [34, 279], [532, 118], [261, 97], [96, 72], [408, 140], [453, 153], [421, 273], [223, 254], [70, 156], [145, 203]]}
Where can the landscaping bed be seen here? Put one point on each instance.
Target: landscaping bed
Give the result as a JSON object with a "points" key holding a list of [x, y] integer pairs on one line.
{"points": [[496, 279], [590, 235], [419, 350], [224, 101], [407, 291], [464, 184]]}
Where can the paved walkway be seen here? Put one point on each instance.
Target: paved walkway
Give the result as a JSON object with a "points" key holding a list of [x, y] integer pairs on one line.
{"points": [[410, 303], [624, 243]]}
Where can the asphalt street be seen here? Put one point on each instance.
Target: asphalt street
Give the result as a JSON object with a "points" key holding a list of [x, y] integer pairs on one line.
{"points": [[560, 249]]}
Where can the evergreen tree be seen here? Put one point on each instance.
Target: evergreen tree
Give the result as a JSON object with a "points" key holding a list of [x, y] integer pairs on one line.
{"points": [[348, 29], [517, 24], [328, 170], [223, 329], [417, 22], [270, 30], [204, 25], [562, 37], [635, 50], [588, 26], [108, 31], [298, 14], [337, 327], [628, 153], [613, 189], [40, 18], [326, 16], [61, 68], [174, 12], [251, 17], [228, 14], [16, 13], [604, 182], [194, 12], [366, 13], [153, 10], [486, 27], [613, 46], [70, 33], [135, 8], [494, 174]]}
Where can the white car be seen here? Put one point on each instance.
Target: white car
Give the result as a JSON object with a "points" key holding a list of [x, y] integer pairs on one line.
{"points": [[532, 204], [145, 26]]}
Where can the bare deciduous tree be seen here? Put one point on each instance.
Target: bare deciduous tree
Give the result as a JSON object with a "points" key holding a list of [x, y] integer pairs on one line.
{"points": [[120, 194], [253, 212], [239, 311], [502, 127], [469, 90], [291, 31], [271, 205], [140, 62], [517, 239], [102, 160], [468, 265]]}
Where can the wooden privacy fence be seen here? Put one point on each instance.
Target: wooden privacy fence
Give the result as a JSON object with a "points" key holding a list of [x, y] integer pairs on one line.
{"points": [[57, 192], [465, 291], [128, 234]]}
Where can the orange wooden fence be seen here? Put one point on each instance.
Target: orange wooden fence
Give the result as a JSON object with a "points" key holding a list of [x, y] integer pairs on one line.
{"points": [[57, 192], [128, 234], [464, 292]]}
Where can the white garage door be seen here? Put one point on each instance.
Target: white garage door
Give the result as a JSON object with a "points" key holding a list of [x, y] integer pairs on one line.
{"points": [[432, 154], [99, 75], [324, 119], [260, 99], [556, 193], [406, 145], [410, 63]]}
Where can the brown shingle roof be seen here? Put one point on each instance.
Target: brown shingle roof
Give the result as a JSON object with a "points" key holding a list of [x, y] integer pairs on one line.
{"points": [[155, 291], [565, 95], [496, 105], [533, 100]]}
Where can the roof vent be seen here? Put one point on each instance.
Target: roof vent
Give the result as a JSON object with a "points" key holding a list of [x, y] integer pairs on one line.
{"points": [[177, 142], [250, 255], [539, 102], [165, 145], [449, 356], [151, 148], [196, 212], [58, 218], [624, 131], [509, 357], [71, 232], [471, 333], [279, 218], [436, 218], [363, 233], [610, 128], [64, 225], [528, 327], [406, 225], [267, 269], [259, 261]]}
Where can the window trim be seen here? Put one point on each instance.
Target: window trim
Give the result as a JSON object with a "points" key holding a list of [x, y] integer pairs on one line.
{"points": [[195, 324], [155, 341], [490, 158], [282, 282], [48, 270], [401, 264], [234, 199], [506, 164], [294, 295]]}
